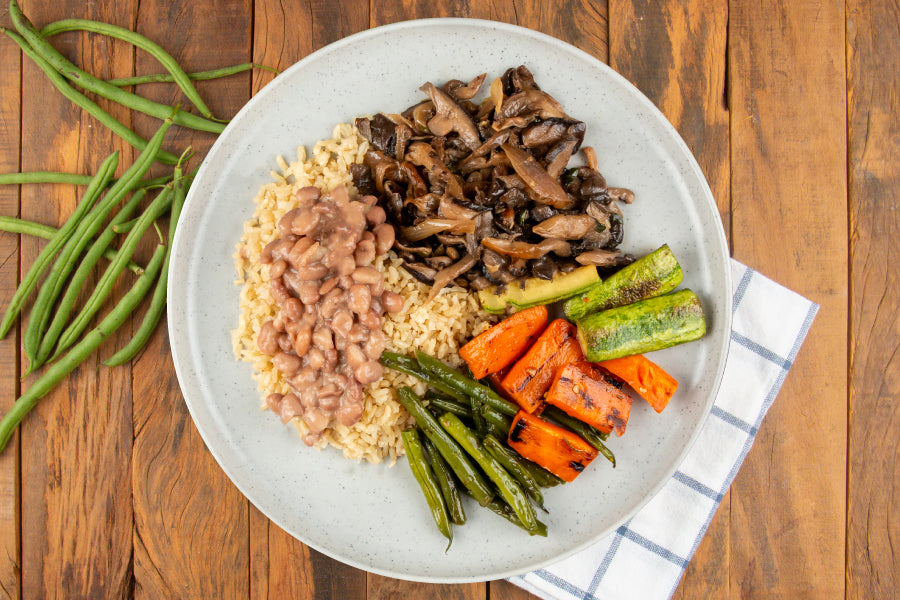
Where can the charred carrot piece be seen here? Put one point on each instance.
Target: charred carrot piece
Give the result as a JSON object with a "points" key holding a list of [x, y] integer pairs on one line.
{"points": [[645, 377], [502, 344], [531, 376], [592, 395], [558, 450]]}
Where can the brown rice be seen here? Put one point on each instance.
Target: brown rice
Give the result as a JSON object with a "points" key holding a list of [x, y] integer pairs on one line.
{"points": [[438, 327]]}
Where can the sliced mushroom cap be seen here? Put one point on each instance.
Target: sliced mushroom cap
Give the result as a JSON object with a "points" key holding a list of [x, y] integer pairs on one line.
{"points": [[536, 177], [448, 274], [551, 131], [431, 226], [526, 250], [460, 91], [530, 102], [567, 227], [423, 273], [601, 258], [450, 116], [621, 194], [449, 209]]}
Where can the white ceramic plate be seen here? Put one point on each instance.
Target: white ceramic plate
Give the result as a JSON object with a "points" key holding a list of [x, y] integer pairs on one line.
{"points": [[372, 516]]}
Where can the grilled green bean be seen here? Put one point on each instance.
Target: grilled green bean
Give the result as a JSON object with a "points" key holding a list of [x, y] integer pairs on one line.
{"points": [[138, 40], [507, 486], [503, 455], [110, 323], [408, 365], [465, 471], [503, 509], [589, 434], [158, 302], [106, 282], [464, 385], [88, 82], [447, 483], [444, 405], [500, 421], [14, 225], [198, 76], [58, 242], [84, 232], [84, 102], [424, 475], [543, 477]]}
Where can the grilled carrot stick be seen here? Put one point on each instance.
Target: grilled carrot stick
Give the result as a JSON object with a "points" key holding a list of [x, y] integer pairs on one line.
{"points": [[502, 344], [645, 377]]}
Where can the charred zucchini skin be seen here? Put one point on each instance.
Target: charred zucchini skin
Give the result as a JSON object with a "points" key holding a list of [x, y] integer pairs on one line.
{"points": [[644, 326], [652, 275], [530, 292]]}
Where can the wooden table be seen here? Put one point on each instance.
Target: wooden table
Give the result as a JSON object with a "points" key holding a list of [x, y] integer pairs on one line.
{"points": [[791, 109]]}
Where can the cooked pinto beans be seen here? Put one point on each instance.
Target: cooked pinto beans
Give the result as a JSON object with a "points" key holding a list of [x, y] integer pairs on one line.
{"points": [[327, 338]]}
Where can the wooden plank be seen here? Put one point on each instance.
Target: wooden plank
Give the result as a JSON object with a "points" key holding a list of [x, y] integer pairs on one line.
{"points": [[282, 566], [675, 53], [873, 73], [585, 25], [10, 117], [76, 446], [789, 204], [191, 523], [383, 13]]}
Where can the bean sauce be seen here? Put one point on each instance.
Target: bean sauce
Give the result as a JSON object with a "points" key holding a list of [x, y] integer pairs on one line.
{"points": [[327, 338]]}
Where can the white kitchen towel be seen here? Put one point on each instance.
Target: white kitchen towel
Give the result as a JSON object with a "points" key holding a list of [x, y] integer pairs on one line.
{"points": [[645, 558]]}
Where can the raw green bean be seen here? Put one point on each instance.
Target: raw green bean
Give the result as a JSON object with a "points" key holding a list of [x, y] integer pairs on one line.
{"points": [[503, 509], [199, 76], [138, 40], [110, 323], [158, 302], [76, 284], [58, 242], [591, 435], [70, 178], [84, 232], [510, 489], [408, 365], [87, 81], [447, 482], [464, 385], [106, 282], [423, 474], [126, 226], [44, 177], [84, 102], [503, 455], [465, 471], [14, 225]]}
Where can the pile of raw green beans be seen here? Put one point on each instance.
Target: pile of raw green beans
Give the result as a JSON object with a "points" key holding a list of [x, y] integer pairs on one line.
{"points": [[459, 447], [109, 221]]}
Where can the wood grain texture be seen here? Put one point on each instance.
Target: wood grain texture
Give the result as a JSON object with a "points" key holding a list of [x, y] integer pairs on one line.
{"points": [[873, 72], [76, 445], [10, 109], [789, 201], [191, 523], [383, 13], [282, 566], [675, 53]]}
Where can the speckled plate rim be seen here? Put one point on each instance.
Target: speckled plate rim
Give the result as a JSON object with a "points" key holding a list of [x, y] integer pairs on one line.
{"points": [[178, 313]]}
